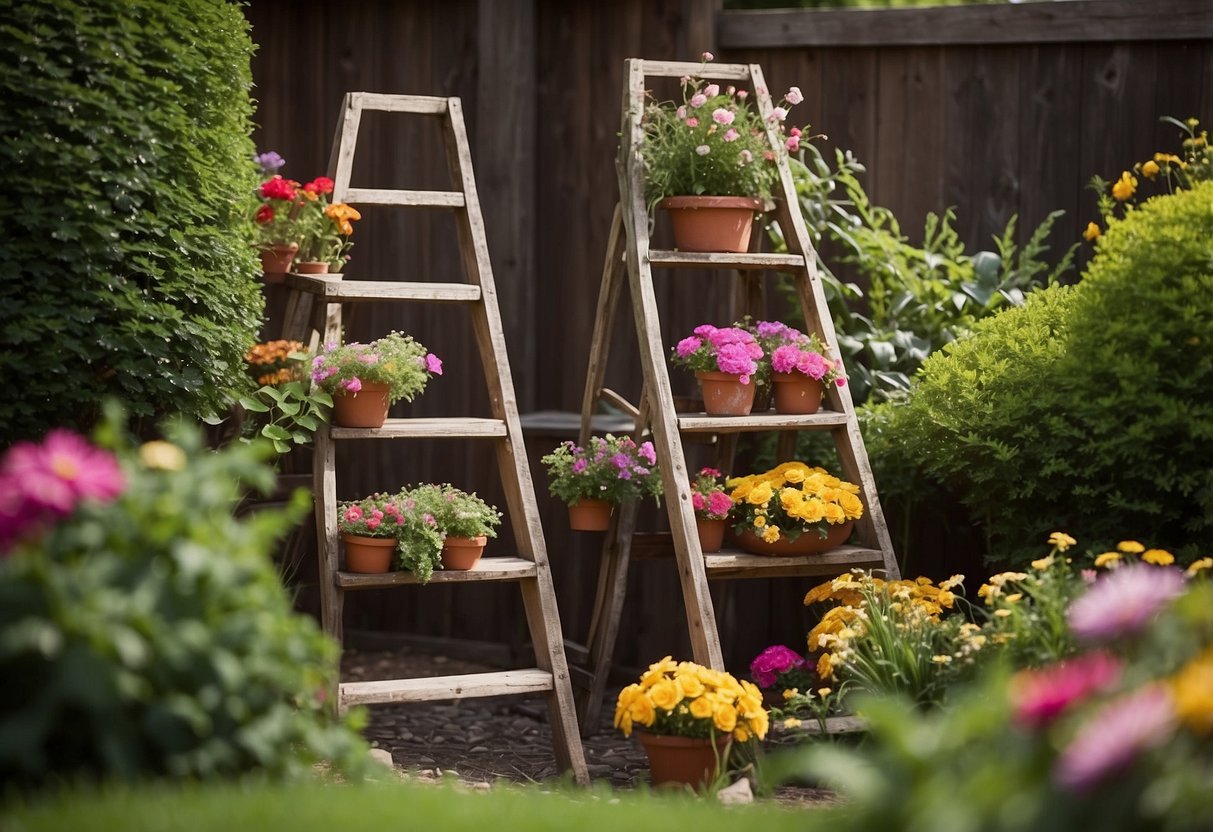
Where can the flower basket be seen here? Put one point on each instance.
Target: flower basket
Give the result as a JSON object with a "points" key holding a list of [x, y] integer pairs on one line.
{"points": [[712, 223], [809, 543], [793, 510]]}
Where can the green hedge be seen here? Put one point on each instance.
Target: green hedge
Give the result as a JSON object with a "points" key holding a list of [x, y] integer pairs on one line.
{"points": [[1087, 410], [126, 268]]}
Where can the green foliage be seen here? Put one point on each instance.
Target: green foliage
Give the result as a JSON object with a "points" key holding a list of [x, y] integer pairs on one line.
{"points": [[1085, 410], [396, 360], [126, 268], [457, 513], [418, 537], [151, 636], [288, 414]]}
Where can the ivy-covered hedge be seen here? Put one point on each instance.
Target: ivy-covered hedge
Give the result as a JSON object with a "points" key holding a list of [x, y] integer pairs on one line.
{"points": [[1087, 410], [126, 268]]}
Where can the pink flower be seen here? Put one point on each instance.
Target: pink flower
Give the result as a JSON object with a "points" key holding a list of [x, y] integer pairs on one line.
{"points": [[793, 143], [746, 157], [698, 502], [708, 56], [579, 465], [777, 114], [353, 385], [1088, 576], [709, 472], [647, 452], [776, 659], [794, 96], [730, 89], [742, 94], [704, 330], [1039, 696], [703, 150], [783, 359], [812, 364], [681, 112], [373, 523], [730, 135], [719, 504], [61, 472], [722, 116], [1110, 740], [433, 364], [840, 382], [687, 346], [795, 131], [711, 90], [1123, 601], [735, 359], [428, 519], [698, 100], [692, 122], [353, 514], [369, 358]]}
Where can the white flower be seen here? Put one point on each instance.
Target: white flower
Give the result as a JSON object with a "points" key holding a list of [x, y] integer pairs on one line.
{"points": [[722, 116], [703, 150], [794, 95], [778, 114], [708, 56], [698, 99], [711, 90]]}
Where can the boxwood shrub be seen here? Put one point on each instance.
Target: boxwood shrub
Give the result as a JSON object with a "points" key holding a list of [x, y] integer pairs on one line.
{"points": [[126, 268], [1087, 410]]}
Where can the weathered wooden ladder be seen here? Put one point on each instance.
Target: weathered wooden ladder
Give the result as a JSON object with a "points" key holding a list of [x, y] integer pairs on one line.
{"points": [[628, 248], [530, 568]]}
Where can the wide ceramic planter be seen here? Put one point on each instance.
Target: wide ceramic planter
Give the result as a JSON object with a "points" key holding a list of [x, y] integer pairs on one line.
{"points": [[711, 533], [365, 409], [683, 760], [590, 516], [797, 394], [809, 543], [368, 555], [276, 261], [459, 554], [725, 395], [311, 267], [712, 223]]}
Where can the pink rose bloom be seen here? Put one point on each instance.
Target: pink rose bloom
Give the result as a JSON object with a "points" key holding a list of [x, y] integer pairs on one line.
{"points": [[697, 501], [353, 514], [711, 90], [812, 365], [778, 114], [433, 363], [730, 135], [698, 100], [353, 385], [692, 122], [687, 346], [719, 504], [722, 116], [708, 56], [681, 112], [1115, 736], [793, 143], [1040, 696], [703, 150], [373, 523], [794, 95], [783, 359]]}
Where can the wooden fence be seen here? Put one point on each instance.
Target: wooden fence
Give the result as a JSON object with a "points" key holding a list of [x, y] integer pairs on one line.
{"points": [[995, 110]]}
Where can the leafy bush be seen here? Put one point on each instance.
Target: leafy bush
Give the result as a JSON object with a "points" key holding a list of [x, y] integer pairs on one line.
{"points": [[150, 636], [127, 268], [1088, 408]]}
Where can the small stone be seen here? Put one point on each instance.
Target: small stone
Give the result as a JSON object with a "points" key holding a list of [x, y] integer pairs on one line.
{"points": [[382, 755], [438, 740], [736, 794], [425, 760], [440, 660], [404, 736], [600, 770], [479, 749], [482, 786]]}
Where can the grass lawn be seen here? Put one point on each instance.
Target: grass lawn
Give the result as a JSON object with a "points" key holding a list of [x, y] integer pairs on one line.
{"points": [[314, 807]]}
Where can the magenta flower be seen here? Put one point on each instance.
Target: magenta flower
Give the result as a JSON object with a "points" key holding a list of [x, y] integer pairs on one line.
{"points": [[621, 461], [719, 503], [433, 363], [1123, 601], [704, 330], [792, 144], [1039, 696], [688, 345], [698, 502], [579, 465], [353, 385], [812, 364], [61, 472], [647, 452], [784, 359], [1111, 739], [776, 659], [735, 359], [771, 329]]}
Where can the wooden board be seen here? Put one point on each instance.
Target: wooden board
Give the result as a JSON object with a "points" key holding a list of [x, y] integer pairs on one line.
{"points": [[486, 569], [335, 290], [455, 427], [437, 688]]}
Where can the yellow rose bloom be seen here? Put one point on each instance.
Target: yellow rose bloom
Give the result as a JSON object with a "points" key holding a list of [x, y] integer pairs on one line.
{"points": [[770, 534], [1158, 557], [691, 686], [1130, 547], [741, 492], [641, 710], [1092, 232], [760, 495], [1149, 169], [1125, 187], [834, 514], [741, 734], [790, 498], [1107, 559], [794, 475], [813, 511], [701, 708], [852, 506], [666, 694], [724, 717]]}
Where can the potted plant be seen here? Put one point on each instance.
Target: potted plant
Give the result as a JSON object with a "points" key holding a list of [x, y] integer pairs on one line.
{"points": [[284, 409], [724, 360], [591, 480], [779, 669], [708, 160], [712, 505], [690, 715], [274, 218], [324, 229], [793, 509], [366, 379], [385, 528], [465, 521], [798, 367]]}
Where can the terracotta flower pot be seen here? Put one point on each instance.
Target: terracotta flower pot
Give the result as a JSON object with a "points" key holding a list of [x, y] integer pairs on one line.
{"points": [[797, 394], [725, 395], [683, 760], [365, 409], [276, 261], [368, 554], [311, 267], [809, 543], [590, 516], [459, 554], [711, 533], [712, 223]]}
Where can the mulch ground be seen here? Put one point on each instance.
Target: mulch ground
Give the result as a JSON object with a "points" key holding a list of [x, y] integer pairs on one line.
{"points": [[486, 741]]}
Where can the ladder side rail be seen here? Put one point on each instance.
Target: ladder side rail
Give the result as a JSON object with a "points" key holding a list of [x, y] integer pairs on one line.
{"points": [[600, 343], [341, 157]]}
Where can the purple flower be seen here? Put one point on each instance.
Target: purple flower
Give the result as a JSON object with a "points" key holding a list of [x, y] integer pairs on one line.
{"points": [[353, 385], [1110, 740], [621, 461], [433, 363], [579, 466], [269, 161], [687, 346], [646, 451], [625, 474], [776, 659], [771, 329], [1124, 601]]}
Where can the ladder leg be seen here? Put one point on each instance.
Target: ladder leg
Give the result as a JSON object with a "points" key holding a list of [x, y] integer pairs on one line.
{"points": [[604, 324]]}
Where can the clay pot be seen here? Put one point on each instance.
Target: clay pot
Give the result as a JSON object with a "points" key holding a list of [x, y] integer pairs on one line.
{"points": [[276, 261], [459, 554], [797, 394], [809, 543], [711, 533], [311, 267], [683, 760], [712, 223], [365, 409], [369, 555], [590, 516], [725, 395]]}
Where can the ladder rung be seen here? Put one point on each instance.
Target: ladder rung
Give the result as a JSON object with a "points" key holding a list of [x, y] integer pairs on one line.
{"points": [[467, 686], [702, 423], [738, 564], [437, 428], [486, 569], [416, 199], [421, 104], [677, 69], [336, 290], [690, 260]]}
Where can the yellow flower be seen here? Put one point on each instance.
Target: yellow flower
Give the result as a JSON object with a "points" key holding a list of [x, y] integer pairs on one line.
{"points": [[724, 717], [1061, 540], [1192, 689], [1130, 547], [834, 513], [1158, 557], [790, 498], [955, 580], [811, 511], [1107, 559], [825, 666], [791, 722], [788, 693], [1043, 564], [741, 490], [1013, 597], [794, 475], [770, 534], [941, 659], [760, 723], [1124, 187], [701, 708], [851, 505], [163, 456], [760, 495], [641, 710], [759, 521], [1092, 232], [691, 685], [1198, 566], [824, 692], [741, 734], [666, 694], [1002, 613], [1149, 170]]}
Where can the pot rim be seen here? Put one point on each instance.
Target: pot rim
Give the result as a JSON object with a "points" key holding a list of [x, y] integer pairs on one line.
{"points": [[692, 202]]}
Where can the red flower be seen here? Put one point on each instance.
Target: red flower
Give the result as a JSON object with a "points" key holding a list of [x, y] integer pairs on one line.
{"points": [[278, 188], [319, 185], [265, 214]]}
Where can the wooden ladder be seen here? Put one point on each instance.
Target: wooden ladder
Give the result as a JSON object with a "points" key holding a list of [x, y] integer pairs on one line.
{"points": [[628, 249], [530, 568]]}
